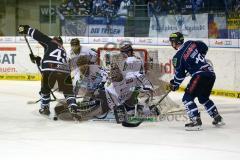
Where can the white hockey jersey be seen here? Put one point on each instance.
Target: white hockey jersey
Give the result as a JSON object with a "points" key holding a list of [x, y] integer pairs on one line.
{"points": [[95, 76], [133, 64], [73, 58], [118, 92]]}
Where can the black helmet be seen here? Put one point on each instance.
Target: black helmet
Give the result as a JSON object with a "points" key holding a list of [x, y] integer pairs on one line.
{"points": [[58, 39], [75, 41], [126, 48], [176, 37]]}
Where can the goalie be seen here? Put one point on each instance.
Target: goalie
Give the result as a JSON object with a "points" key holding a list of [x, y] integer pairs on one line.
{"points": [[122, 92]]}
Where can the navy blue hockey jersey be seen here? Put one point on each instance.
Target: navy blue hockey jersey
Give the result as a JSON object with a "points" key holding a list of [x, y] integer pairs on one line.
{"points": [[54, 58], [190, 59]]}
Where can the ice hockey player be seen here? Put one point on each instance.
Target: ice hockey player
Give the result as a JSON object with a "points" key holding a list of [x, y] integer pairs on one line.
{"points": [[76, 51], [190, 59], [92, 77], [54, 68], [120, 91], [134, 65], [131, 62]]}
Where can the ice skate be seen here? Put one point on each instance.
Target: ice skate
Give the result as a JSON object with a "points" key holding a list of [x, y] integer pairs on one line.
{"points": [[194, 125], [218, 121], [44, 110]]}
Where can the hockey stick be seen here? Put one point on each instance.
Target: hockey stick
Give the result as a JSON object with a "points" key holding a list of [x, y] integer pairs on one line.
{"points": [[34, 102], [32, 57], [52, 100], [131, 124], [163, 98]]}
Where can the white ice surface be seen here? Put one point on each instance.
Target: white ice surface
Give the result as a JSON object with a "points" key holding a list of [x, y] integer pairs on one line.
{"points": [[25, 135]]}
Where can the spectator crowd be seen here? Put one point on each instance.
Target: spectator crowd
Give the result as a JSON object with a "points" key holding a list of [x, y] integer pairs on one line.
{"points": [[106, 8]]}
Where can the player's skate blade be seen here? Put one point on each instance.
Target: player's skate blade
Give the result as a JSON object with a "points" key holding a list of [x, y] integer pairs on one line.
{"points": [[195, 128], [194, 125]]}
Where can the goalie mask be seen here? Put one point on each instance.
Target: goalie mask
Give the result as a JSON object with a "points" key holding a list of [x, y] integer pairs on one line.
{"points": [[115, 73]]}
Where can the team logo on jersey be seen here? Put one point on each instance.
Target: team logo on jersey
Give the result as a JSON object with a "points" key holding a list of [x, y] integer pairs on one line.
{"points": [[174, 62]]}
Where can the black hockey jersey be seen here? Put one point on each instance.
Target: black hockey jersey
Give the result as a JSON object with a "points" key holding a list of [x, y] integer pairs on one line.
{"points": [[190, 58], [54, 58]]}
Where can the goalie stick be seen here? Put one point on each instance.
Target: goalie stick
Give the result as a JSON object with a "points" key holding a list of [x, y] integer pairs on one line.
{"points": [[131, 124]]}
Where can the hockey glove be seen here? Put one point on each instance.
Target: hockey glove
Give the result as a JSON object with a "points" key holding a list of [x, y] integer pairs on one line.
{"points": [[173, 86], [35, 59], [38, 60], [23, 29]]}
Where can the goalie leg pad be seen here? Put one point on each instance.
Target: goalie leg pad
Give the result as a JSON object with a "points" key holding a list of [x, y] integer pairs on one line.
{"points": [[86, 110], [62, 112], [120, 113]]}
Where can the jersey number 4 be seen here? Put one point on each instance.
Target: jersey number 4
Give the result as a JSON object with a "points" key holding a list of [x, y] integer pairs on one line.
{"points": [[199, 58], [57, 53]]}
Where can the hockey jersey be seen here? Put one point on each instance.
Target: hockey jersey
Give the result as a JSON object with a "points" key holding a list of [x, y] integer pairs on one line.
{"points": [[73, 58], [118, 92], [133, 64], [54, 58], [190, 59], [84, 51], [91, 81]]}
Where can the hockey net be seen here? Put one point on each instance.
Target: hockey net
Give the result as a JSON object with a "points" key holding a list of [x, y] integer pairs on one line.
{"points": [[106, 56]]}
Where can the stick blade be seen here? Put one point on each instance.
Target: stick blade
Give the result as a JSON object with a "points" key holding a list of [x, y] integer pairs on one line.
{"points": [[31, 102], [131, 124]]}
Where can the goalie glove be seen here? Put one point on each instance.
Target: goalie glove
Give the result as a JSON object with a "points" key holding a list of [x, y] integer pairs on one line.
{"points": [[23, 29], [173, 86]]}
